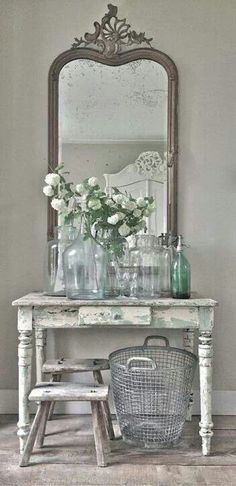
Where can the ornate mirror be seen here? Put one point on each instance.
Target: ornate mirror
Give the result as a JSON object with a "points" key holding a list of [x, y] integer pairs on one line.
{"points": [[113, 113]]}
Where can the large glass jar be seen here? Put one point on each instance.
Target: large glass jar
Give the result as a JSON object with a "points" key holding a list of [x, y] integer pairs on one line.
{"points": [[84, 263], [145, 267], [54, 283]]}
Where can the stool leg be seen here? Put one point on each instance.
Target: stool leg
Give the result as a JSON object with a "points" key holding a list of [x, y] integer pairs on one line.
{"points": [[42, 426], [32, 436], [106, 410], [97, 418], [57, 378]]}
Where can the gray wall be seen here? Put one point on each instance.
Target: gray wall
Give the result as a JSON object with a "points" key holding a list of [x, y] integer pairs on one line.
{"points": [[200, 37]]}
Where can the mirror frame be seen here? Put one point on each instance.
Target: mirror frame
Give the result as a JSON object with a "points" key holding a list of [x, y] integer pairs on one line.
{"points": [[112, 54]]}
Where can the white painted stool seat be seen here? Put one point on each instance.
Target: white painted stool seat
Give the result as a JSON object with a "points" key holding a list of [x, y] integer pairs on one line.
{"points": [[66, 365], [64, 391], [45, 393]]}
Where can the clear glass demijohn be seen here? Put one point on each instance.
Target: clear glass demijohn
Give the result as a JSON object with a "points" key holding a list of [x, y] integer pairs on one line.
{"points": [[84, 263], [145, 264], [54, 283]]}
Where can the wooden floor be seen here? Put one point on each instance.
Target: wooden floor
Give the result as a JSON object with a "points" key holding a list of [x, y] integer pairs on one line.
{"points": [[68, 458]]}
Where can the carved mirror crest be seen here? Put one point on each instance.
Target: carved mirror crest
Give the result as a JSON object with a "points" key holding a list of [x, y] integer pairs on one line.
{"points": [[113, 112]]}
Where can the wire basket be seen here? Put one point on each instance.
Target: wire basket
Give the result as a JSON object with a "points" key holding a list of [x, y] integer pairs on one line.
{"points": [[151, 388]]}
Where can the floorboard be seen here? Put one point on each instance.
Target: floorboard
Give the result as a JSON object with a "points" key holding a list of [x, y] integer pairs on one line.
{"points": [[68, 458]]}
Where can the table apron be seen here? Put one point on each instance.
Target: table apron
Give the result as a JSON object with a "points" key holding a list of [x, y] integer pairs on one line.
{"points": [[116, 316]]}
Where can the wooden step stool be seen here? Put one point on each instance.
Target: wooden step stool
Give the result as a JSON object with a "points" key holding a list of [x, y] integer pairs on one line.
{"points": [[44, 393], [57, 367]]}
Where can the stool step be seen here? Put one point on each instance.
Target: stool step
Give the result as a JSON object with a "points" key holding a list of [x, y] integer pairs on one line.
{"points": [[64, 391], [65, 365]]}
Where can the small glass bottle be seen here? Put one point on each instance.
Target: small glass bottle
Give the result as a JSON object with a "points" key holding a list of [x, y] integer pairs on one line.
{"points": [[180, 274], [54, 283]]}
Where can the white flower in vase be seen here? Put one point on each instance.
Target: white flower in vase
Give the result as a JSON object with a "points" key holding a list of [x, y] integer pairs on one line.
{"points": [[146, 212], [137, 213], [48, 191], [93, 181], [94, 204], [81, 189], [58, 204], [121, 216], [110, 203], [119, 198], [124, 230], [114, 219], [141, 203], [52, 179], [130, 205], [152, 207]]}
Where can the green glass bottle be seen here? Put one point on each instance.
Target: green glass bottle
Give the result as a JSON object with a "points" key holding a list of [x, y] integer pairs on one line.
{"points": [[180, 274]]}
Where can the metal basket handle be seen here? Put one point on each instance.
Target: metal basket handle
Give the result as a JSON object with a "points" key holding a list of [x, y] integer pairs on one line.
{"points": [[160, 338], [141, 359]]}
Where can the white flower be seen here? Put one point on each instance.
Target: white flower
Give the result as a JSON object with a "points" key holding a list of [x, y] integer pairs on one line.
{"points": [[93, 181], [52, 179], [48, 191], [146, 212], [109, 203], [141, 202], [72, 204], [121, 216], [152, 207], [137, 213], [94, 204], [119, 198], [58, 204], [124, 230], [113, 219], [130, 205], [80, 189]]}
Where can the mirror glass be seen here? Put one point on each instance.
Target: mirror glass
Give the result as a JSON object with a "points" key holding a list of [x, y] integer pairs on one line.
{"points": [[108, 116]]}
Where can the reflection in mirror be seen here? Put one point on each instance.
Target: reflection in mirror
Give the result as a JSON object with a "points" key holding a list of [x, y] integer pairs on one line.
{"points": [[108, 116]]}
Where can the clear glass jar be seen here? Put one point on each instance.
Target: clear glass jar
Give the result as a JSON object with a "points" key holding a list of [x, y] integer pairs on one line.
{"points": [[84, 263], [145, 267], [54, 283], [117, 260]]}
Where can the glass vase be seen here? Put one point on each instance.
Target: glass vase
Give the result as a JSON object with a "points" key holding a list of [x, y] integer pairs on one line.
{"points": [[54, 282], [84, 263], [117, 257], [145, 267]]}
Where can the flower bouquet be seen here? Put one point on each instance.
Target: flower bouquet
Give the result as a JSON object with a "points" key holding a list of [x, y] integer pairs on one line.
{"points": [[108, 219]]}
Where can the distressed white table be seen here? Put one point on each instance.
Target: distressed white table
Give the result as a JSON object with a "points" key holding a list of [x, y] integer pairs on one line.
{"points": [[39, 312]]}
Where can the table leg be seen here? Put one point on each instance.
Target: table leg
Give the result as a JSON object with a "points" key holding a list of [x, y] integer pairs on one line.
{"points": [[188, 341], [205, 368], [24, 366], [40, 347]]}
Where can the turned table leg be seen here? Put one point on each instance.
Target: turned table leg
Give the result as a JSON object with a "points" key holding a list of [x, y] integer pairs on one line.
{"points": [[205, 367], [40, 347], [188, 341], [24, 368]]}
